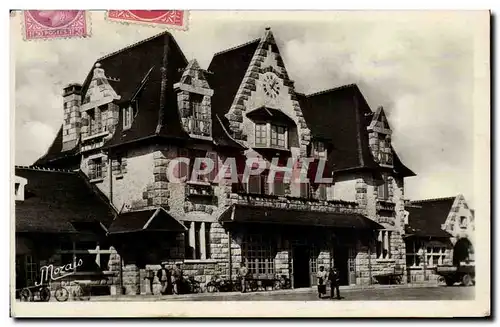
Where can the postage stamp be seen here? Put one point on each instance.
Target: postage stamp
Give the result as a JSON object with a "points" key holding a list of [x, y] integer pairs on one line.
{"points": [[237, 161], [55, 24], [169, 18]]}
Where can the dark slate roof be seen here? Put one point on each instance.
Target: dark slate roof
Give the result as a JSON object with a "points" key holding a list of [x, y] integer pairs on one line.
{"points": [[268, 215], [156, 116], [346, 130], [228, 69], [54, 154], [150, 220], [426, 217], [58, 202]]}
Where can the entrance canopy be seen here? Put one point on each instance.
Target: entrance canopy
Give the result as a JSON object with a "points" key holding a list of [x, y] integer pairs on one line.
{"points": [[152, 220], [266, 215]]}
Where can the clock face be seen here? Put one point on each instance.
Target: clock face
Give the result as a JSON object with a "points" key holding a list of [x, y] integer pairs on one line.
{"points": [[272, 85]]}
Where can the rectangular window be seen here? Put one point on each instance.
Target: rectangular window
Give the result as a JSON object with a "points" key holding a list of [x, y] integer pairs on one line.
{"points": [[384, 244], [383, 189], [412, 254], [258, 255], [278, 186], [278, 136], [127, 117], [260, 135], [31, 269], [254, 184], [196, 108], [318, 149], [197, 240], [435, 256], [95, 168]]}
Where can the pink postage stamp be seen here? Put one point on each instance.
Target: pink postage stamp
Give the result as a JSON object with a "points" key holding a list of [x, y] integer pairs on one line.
{"points": [[55, 24], [169, 18]]}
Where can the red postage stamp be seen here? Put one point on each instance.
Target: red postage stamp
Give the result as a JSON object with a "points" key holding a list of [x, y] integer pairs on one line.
{"points": [[54, 24], [169, 18]]}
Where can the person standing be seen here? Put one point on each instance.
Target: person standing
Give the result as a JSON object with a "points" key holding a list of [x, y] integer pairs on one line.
{"points": [[242, 274], [177, 276], [163, 277], [334, 278], [321, 275]]}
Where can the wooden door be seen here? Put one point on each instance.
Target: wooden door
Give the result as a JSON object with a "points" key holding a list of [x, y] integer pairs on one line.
{"points": [[351, 262]]}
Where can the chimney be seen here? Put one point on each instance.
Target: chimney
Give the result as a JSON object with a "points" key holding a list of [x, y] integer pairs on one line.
{"points": [[72, 97]]}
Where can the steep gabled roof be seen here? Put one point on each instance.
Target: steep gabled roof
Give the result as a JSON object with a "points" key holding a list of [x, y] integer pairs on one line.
{"points": [[56, 199], [426, 217], [345, 127], [228, 69], [139, 68]]}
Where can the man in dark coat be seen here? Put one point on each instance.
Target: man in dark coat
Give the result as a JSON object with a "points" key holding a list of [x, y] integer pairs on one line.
{"points": [[164, 277], [178, 278], [334, 279]]}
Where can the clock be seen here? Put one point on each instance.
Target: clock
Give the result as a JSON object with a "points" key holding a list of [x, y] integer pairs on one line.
{"points": [[271, 85]]}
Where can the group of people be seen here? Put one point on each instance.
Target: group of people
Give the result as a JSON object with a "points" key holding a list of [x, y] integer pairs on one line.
{"points": [[171, 281], [331, 276]]}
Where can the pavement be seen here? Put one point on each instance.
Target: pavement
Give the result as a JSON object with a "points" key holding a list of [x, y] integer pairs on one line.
{"points": [[349, 293]]}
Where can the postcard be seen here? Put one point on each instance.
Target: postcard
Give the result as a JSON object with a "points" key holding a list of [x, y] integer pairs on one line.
{"points": [[177, 163]]}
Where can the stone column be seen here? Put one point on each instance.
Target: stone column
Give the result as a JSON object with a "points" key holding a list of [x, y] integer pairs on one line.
{"points": [[192, 237], [203, 248]]}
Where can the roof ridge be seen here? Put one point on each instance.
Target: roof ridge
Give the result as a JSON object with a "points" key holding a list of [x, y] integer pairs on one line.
{"points": [[331, 90], [236, 47], [134, 45], [47, 169], [434, 199]]}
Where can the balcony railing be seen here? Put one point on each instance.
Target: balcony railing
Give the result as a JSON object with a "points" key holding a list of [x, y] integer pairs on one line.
{"points": [[198, 126], [383, 205], [290, 202]]}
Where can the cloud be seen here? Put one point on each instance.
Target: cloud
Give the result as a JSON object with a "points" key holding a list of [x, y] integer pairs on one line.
{"points": [[419, 66]]}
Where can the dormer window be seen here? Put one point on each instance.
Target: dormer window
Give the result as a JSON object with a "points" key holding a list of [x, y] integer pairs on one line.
{"points": [[129, 114], [318, 149], [278, 136]]}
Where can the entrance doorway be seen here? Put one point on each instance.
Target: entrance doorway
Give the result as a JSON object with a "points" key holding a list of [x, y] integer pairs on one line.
{"points": [[344, 260], [463, 251], [301, 258]]}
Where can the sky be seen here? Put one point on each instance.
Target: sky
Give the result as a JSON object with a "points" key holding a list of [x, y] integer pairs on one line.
{"points": [[418, 66]]}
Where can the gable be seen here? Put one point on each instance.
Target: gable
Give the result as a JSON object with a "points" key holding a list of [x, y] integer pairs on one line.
{"points": [[460, 220], [380, 123], [265, 83], [426, 217]]}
